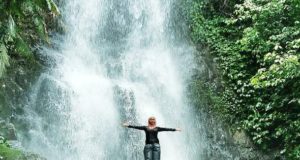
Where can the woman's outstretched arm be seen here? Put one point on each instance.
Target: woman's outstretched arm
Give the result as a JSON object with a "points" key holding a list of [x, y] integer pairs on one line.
{"points": [[167, 129], [135, 127]]}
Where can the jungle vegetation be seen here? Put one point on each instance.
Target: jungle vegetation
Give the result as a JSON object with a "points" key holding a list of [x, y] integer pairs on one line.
{"points": [[257, 47]]}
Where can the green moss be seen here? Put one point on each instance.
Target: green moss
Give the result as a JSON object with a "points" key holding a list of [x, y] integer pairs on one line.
{"points": [[205, 95], [9, 153]]}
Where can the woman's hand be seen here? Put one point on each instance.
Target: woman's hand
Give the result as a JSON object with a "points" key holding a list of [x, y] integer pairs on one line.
{"points": [[178, 129], [125, 124]]}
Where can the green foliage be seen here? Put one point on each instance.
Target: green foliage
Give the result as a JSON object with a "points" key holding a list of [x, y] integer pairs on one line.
{"points": [[7, 152], [257, 43], [205, 94], [4, 59], [22, 25], [52, 7]]}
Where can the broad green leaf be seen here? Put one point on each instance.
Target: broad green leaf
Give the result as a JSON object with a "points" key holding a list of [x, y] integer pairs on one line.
{"points": [[4, 59]]}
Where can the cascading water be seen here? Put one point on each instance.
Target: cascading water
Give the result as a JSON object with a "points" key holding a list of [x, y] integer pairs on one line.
{"points": [[117, 62]]}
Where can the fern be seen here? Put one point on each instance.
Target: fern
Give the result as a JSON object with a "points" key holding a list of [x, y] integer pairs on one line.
{"points": [[21, 24], [22, 47], [40, 28]]}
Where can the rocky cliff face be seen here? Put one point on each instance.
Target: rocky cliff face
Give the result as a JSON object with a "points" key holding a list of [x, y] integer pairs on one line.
{"points": [[24, 26], [227, 141], [14, 84]]}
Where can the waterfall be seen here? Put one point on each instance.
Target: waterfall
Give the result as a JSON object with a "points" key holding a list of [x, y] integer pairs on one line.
{"points": [[119, 61]]}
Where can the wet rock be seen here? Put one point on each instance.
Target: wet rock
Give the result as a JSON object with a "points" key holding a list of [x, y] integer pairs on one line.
{"points": [[13, 150], [20, 80], [7, 130], [2, 140], [30, 156], [10, 153], [241, 138]]}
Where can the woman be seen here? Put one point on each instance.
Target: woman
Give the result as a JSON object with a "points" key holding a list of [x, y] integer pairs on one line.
{"points": [[152, 147]]}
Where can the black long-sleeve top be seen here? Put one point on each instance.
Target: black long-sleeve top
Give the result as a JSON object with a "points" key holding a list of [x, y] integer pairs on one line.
{"points": [[151, 134]]}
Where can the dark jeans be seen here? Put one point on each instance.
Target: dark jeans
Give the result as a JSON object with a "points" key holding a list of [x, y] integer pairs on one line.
{"points": [[152, 151]]}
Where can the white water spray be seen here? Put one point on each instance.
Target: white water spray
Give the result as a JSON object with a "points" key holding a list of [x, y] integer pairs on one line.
{"points": [[114, 64]]}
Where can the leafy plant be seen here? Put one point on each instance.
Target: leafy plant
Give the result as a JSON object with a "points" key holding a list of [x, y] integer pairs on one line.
{"points": [[257, 44], [23, 24]]}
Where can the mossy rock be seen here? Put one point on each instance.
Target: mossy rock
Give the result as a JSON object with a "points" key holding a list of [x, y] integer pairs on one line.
{"points": [[8, 153]]}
